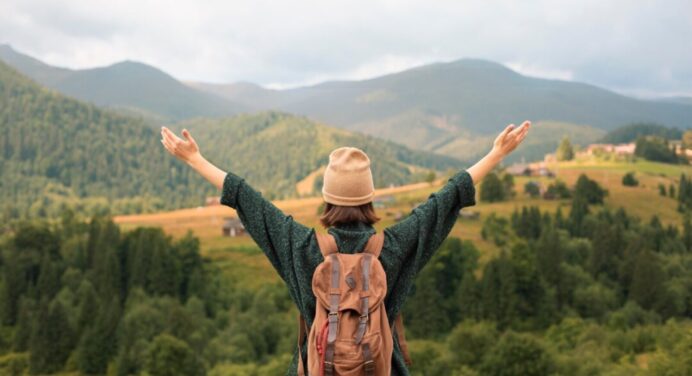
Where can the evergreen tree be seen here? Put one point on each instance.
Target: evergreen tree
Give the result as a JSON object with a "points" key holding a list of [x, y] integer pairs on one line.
{"points": [[590, 190], [527, 224], [492, 188], [52, 339], [508, 185], [607, 251], [565, 151], [532, 189], [661, 189], [25, 325], [99, 344], [647, 280], [579, 211], [549, 258], [468, 298], [48, 283], [687, 232], [655, 149], [88, 305], [498, 286], [534, 305]]}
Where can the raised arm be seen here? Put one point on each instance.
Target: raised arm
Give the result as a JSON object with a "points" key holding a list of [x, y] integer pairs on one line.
{"points": [[277, 234], [422, 232]]}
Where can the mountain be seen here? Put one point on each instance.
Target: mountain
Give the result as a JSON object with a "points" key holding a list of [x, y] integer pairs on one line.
{"points": [[461, 102], [131, 86], [451, 108], [56, 151]]}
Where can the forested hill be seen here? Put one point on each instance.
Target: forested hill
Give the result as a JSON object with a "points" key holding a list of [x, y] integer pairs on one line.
{"points": [[276, 149], [56, 151]]}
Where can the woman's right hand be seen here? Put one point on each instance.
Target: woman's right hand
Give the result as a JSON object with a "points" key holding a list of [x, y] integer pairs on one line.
{"points": [[185, 150]]}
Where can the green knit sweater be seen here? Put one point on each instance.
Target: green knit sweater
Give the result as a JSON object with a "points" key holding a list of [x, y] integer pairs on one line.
{"points": [[292, 247]]}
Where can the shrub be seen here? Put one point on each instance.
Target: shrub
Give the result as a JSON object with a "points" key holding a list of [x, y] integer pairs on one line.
{"points": [[629, 180], [518, 354]]}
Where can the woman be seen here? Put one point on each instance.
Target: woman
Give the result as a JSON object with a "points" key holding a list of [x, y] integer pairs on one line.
{"points": [[349, 215]]}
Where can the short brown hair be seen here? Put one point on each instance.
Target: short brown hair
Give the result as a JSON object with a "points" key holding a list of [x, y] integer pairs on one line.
{"points": [[337, 214]]}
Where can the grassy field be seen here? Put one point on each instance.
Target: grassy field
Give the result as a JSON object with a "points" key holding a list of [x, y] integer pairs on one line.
{"points": [[240, 258]]}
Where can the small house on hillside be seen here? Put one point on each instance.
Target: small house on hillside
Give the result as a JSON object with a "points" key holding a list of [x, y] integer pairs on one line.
{"points": [[618, 149], [519, 169], [530, 169], [232, 227]]}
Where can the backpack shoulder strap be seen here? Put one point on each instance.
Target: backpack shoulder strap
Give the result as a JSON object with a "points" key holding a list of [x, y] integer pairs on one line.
{"points": [[374, 244], [302, 332], [327, 244]]}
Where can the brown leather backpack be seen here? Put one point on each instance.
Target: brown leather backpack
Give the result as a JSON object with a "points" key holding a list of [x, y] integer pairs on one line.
{"points": [[350, 335]]}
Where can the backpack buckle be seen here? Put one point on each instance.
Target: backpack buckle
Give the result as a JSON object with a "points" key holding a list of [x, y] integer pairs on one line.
{"points": [[369, 366], [332, 316]]}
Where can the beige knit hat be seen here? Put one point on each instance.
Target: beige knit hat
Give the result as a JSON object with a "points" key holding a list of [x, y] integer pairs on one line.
{"points": [[348, 179]]}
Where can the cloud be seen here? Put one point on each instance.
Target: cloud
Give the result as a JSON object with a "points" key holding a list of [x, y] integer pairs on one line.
{"points": [[637, 46]]}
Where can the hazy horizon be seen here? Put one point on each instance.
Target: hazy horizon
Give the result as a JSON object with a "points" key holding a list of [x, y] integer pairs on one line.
{"points": [[635, 49]]}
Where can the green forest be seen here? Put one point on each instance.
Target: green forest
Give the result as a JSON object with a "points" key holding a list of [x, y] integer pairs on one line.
{"points": [[57, 153], [591, 291]]}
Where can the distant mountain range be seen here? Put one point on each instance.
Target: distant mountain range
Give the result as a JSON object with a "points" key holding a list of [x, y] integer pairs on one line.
{"points": [[449, 108], [134, 87], [59, 152]]}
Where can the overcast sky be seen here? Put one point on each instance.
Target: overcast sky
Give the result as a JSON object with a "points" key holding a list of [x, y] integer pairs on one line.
{"points": [[635, 46]]}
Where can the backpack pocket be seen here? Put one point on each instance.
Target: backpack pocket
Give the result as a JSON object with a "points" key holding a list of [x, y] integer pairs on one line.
{"points": [[349, 358]]}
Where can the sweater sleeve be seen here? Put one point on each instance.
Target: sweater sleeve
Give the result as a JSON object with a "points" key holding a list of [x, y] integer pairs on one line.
{"points": [[421, 233], [277, 234]]}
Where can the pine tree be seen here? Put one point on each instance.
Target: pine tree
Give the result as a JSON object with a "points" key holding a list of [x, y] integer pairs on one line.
{"points": [[498, 288], [590, 190], [579, 211], [549, 258], [607, 251], [468, 298], [25, 325], [565, 151], [88, 305], [98, 343], [52, 339], [687, 232], [49, 278], [647, 280], [492, 188]]}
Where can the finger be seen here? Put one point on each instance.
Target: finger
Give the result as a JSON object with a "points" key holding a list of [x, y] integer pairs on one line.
{"points": [[506, 131], [188, 136], [171, 136], [518, 130], [169, 146], [166, 146]]}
